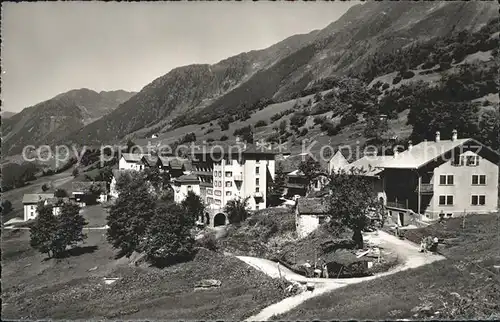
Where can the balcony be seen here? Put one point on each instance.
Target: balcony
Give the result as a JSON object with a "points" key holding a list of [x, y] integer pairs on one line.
{"points": [[238, 177], [426, 188], [258, 195], [396, 204]]}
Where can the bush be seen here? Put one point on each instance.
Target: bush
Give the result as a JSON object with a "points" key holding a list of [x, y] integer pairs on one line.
{"points": [[385, 86], [428, 64], [210, 140], [60, 193], [208, 241], [349, 118], [303, 132], [209, 131], [297, 120], [396, 80], [223, 138], [45, 187], [407, 74], [330, 128], [260, 123], [319, 120], [6, 207]]}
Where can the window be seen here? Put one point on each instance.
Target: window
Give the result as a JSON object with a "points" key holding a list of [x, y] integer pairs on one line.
{"points": [[478, 179], [469, 160], [256, 170], [257, 160], [478, 200], [210, 200], [445, 200], [257, 189], [228, 193], [446, 179], [217, 202], [229, 184], [257, 181], [209, 191], [257, 207], [217, 193], [190, 188], [229, 174]]}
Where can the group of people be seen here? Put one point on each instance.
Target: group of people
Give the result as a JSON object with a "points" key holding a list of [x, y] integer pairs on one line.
{"points": [[429, 243], [316, 271]]}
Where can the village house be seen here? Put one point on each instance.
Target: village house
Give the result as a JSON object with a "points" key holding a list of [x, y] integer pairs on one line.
{"points": [[31, 201], [440, 178], [443, 178], [82, 192], [131, 161], [310, 213]]}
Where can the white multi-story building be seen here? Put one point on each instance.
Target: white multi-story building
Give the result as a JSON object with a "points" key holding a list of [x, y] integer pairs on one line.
{"points": [[229, 173]]}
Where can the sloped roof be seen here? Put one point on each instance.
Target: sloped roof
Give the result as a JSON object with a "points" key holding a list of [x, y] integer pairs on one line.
{"points": [[373, 165], [338, 161], [36, 197], [314, 206], [293, 162], [424, 152], [176, 163], [187, 178], [132, 157], [150, 160], [82, 186]]}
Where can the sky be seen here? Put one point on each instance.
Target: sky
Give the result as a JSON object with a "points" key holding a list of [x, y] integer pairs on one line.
{"points": [[51, 47]]}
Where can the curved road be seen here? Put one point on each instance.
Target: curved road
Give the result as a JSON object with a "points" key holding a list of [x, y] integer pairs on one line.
{"points": [[407, 250]]}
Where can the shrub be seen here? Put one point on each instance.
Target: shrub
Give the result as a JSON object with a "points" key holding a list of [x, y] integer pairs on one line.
{"points": [[428, 64], [330, 128], [407, 74], [349, 118], [208, 241], [236, 210], [224, 138], [385, 86], [60, 193], [209, 131], [260, 123], [396, 80], [45, 187], [6, 207], [303, 132], [297, 120], [210, 140], [319, 120]]}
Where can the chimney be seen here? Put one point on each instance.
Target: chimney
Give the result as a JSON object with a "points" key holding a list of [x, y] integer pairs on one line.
{"points": [[410, 145], [438, 136], [454, 135]]}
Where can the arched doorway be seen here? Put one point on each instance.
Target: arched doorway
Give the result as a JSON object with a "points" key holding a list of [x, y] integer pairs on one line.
{"points": [[219, 219]]}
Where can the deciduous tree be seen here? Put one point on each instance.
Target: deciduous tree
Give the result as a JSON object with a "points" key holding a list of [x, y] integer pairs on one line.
{"points": [[131, 213], [350, 200], [168, 237], [194, 206], [236, 210]]}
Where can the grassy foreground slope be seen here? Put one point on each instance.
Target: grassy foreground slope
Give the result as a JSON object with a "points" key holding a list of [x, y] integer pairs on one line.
{"points": [[464, 286], [73, 287]]}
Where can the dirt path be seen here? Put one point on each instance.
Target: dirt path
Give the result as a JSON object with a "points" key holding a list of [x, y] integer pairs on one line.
{"points": [[409, 252]]}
